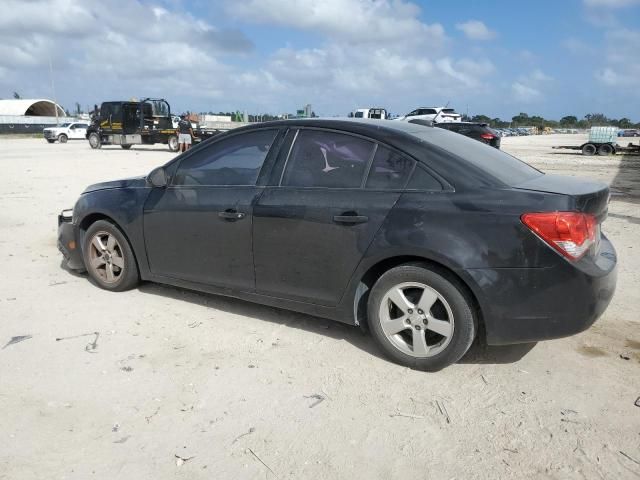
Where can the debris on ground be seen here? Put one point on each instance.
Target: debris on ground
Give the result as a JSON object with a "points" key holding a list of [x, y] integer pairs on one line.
{"points": [[127, 369], [627, 456], [194, 324], [18, 339], [90, 347], [116, 427], [443, 410], [251, 430], [182, 460], [624, 356], [57, 283], [260, 460], [319, 399], [123, 439], [407, 415]]}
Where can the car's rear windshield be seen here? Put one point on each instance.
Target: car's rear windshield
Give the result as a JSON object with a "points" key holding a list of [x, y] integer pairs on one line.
{"points": [[448, 110], [502, 166]]}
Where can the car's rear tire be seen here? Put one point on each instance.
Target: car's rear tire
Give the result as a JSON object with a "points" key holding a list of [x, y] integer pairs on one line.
{"points": [[50, 140], [125, 147], [62, 138], [172, 142], [421, 317], [109, 258], [589, 149], [94, 140], [605, 149]]}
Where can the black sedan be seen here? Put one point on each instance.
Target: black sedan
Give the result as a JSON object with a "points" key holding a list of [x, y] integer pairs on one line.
{"points": [[427, 237]]}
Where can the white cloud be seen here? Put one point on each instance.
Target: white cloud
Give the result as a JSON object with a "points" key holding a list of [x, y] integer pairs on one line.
{"points": [[476, 30], [611, 3], [622, 68], [525, 93], [356, 21]]}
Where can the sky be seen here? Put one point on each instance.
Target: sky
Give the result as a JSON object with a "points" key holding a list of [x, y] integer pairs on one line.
{"points": [[545, 57]]}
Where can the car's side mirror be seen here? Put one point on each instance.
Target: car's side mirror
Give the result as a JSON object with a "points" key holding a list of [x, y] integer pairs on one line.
{"points": [[157, 177]]}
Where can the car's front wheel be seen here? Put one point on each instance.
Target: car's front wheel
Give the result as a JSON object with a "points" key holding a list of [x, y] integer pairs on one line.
{"points": [[62, 138], [109, 258], [421, 317]]}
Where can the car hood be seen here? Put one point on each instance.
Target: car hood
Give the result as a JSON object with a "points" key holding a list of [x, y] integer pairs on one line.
{"points": [[133, 182]]}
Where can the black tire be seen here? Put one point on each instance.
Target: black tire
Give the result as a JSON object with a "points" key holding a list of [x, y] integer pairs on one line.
{"points": [[128, 277], [51, 140], [62, 138], [125, 147], [94, 140], [589, 149], [448, 287], [172, 142], [606, 149]]}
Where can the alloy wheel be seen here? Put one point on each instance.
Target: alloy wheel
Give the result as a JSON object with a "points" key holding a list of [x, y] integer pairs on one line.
{"points": [[106, 258], [416, 319]]}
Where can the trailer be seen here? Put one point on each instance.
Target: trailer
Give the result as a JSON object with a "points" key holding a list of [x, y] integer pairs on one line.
{"points": [[602, 141]]}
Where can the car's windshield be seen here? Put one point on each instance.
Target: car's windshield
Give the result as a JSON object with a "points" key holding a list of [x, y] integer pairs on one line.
{"points": [[359, 115], [448, 110], [505, 168]]}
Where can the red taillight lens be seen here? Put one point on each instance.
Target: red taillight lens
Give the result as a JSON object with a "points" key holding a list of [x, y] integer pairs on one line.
{"points": [[570, 233], [487, 136]]}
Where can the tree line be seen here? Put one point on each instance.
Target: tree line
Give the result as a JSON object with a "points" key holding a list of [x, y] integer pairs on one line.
{"points": [[569, 121]]}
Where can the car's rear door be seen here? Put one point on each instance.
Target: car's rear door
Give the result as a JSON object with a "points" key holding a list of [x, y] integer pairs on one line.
{"points": [[313, 226], [199, 228]]}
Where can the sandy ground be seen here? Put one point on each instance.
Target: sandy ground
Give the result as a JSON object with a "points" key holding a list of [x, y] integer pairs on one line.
{"points": [[176, 384]]}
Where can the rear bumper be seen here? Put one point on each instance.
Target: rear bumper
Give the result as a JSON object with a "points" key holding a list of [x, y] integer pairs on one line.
{"points": [[69, 243], [529, 304]]}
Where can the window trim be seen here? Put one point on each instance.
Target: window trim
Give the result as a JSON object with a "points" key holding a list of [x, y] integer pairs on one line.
{"points": [[446, 186], [332, 130], [277, 130]]}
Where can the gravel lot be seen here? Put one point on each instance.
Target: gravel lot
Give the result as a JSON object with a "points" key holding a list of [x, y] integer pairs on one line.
{"points": [[176, 384]]}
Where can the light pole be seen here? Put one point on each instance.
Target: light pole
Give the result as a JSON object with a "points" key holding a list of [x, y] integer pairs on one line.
{"points": [[53, 90]]}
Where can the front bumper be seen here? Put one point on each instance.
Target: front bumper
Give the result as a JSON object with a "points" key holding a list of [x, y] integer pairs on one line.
{"points": [[522, 305], [69, 242], [48, 134]]}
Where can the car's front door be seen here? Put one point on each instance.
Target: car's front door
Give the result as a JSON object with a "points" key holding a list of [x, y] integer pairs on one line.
{"points": [[77, 130], [199, 228], [311, 230]]}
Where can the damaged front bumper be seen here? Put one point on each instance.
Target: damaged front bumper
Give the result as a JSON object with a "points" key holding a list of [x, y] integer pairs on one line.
{"points": [[69, 241]]}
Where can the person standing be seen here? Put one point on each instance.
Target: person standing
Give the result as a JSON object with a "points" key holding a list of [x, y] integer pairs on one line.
{"points": [[185, 133]]}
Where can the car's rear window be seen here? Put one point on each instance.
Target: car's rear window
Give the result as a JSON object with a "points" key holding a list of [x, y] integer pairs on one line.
{"points": [[502, 166]]}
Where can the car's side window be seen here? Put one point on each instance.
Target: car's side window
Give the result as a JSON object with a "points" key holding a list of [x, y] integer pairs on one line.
{"points": [[327, 159], [390, 170], [423, 180], [233, 161]]}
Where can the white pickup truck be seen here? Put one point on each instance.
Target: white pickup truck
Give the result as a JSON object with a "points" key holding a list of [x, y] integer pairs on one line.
{"points": [[66, 131]]}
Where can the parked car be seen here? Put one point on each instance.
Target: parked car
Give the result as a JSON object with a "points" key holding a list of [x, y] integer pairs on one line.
{"points": [[378, 113], [477, 131], [433, 114], [426, 236], [630, 132], [66, 131]]}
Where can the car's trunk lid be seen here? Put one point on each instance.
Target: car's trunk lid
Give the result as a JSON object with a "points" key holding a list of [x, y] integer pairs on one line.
{"points": [[588, 196]]}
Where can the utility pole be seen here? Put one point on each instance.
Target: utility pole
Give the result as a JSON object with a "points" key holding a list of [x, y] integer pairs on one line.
{"points": [[53, 90]]}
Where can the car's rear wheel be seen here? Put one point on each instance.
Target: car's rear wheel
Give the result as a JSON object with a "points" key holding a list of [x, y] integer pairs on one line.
{"points": [[108, 257], [62, 138], [421, 317], [94, 140]]}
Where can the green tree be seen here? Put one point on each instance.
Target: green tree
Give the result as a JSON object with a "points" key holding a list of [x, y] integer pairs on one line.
{"points": [[569, 121], [625, 123]]}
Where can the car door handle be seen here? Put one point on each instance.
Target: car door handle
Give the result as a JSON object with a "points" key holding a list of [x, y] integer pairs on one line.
{"points": [[350, 219], [231, 215]]}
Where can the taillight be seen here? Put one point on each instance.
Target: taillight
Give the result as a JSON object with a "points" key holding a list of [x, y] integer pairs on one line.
{"points": [[570, 233], [487, 136]]}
